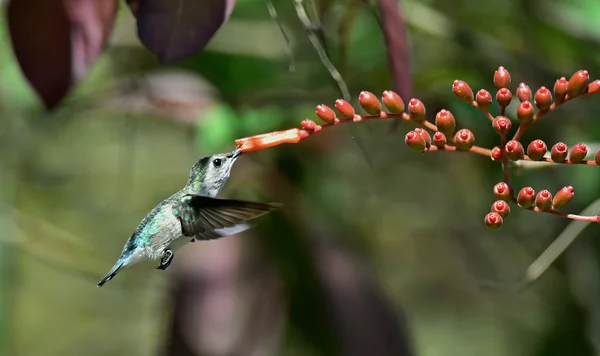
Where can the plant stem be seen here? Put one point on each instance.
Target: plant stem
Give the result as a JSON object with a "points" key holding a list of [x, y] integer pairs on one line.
{"points": [[484, 111], [523, 127]]}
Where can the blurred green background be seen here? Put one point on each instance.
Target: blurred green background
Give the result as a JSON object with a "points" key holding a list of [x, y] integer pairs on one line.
{"points": [[378, 251]]}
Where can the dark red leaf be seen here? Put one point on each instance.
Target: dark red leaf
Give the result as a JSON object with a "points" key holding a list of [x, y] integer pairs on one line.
{"points": [[56, 41], [91, 25], [176, 29]]}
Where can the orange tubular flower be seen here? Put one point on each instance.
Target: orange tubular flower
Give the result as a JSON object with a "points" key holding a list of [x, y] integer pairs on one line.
{"points": [[271, 139]]}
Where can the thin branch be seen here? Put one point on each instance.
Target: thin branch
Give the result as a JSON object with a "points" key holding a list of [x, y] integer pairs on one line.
{"points": [[588, 218], [523, 127], [310, 28], [505, 164], [484, 111], [288, 46], [545, 260], [475, 149]]}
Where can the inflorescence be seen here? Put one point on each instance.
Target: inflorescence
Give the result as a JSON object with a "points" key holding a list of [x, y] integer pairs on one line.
{"points": [[442, 135]]}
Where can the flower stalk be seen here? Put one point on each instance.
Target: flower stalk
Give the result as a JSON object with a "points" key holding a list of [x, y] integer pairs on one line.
{"points": [[445, 135]]}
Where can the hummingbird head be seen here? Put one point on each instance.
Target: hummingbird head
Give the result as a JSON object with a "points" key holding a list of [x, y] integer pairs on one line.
{"points": [[210, 174]]}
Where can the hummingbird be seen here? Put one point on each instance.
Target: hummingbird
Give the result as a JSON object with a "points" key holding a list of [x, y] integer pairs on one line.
{"points": [[193, 213]]}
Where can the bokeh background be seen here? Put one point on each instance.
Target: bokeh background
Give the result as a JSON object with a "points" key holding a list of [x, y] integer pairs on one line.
{"points": [[378, 251]]}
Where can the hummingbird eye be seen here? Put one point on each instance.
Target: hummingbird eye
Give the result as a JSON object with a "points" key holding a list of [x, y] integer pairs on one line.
{"points": [[217, 162]]}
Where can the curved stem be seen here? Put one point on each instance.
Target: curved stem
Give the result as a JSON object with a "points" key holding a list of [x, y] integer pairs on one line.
{"points": [[540, 114], [590, 218], [381, 116], [589, 162], [484, 111], [505, 164], [475, 149]]}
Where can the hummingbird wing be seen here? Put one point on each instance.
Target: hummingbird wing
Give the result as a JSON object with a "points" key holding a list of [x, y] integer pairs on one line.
{"points": [[217, 234], [200, 214]]}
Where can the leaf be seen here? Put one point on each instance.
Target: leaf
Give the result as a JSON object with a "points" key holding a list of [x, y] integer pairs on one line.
{"points": [[177, 29], [56, 41]]}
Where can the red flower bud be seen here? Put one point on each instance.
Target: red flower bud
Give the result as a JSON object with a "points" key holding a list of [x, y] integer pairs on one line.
{"points": [[563, 197], [484, 99], [501, 125], [416, 110], [493, 221], [369, 103], [543, 99], [594, 86], [514, 150], [525, 112], [415, 141], [501, 78], [536, 150], [501, 207], [560, 89], [344, 108], [526, 197], [463, 91], [578, 83], [578, 153], [497, 153], [502, 191], [302, 134], [543, 200], [308, 125], [439, 140], [504, 97], [523, 92], [464, 139], [445, 122], [425, 136], [393, 102], [559, 152], [325, 113]]}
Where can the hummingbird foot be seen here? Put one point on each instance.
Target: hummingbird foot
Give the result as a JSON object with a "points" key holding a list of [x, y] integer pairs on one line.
{"points": [[166, 260]]}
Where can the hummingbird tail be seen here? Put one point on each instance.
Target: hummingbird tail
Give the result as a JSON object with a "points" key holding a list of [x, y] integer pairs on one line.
{"points": [[110, 275]]}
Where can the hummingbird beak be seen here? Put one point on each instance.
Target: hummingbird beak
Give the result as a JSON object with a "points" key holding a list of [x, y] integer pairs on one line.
{"points": [[236, 153]]}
